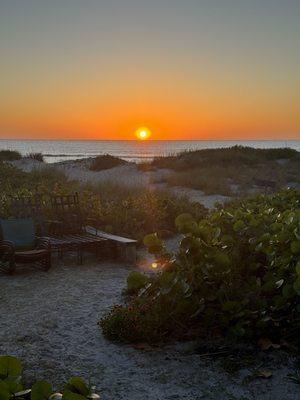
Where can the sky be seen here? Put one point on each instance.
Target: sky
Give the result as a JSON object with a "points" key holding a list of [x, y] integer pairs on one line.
{"points": [[186, 69]]}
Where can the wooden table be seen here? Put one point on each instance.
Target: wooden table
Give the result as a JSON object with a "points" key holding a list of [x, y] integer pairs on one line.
{"points": [[75, 242]]}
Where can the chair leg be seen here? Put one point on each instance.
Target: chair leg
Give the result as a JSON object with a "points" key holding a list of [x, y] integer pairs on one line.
{"points": [[11, 265], [48, 262]]}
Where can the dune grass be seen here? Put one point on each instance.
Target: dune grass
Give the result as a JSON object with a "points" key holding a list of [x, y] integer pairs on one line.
{"points": [[231, 170], [36, 156], [129, 211]]}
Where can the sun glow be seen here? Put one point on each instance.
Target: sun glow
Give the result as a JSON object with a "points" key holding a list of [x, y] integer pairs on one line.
{"points": [[143, 133]]}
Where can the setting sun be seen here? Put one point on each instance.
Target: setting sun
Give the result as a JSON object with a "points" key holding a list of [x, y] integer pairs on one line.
{"points": [[143, 133]]}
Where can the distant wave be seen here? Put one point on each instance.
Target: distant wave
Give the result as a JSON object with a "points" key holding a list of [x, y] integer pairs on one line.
{"points": [[98, 154]]}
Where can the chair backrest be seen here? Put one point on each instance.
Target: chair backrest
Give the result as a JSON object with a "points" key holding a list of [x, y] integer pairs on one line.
{"points": [[20, 232], [67, 209], [29, 207]]}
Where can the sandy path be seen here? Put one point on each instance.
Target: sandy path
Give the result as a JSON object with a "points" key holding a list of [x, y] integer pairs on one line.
{"points": [[49, 320]]}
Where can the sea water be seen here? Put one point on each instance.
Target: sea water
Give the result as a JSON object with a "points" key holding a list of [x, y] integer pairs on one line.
{"points": [[131, 150]]}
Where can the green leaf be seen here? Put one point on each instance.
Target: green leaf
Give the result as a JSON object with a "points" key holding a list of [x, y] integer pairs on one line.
{"points": [[152, 240], [296, 286], [13, 384], [298, 268], [295, 246], [68, 395], [135, 281], [238, 225], [41, 390], [155, 249], [4, 391], [222, 259], [10, 367], [288, 291], [229, 305], [238, 330], [77, 385], [183, 219]]}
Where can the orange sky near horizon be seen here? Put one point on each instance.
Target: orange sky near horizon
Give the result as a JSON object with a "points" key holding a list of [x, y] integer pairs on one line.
{"points": [[185, 70]]}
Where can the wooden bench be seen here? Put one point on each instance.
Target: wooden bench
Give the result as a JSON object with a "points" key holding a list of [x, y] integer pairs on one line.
{"points": [[126, 247]]}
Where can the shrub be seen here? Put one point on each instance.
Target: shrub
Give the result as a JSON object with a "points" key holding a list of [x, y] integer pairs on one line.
{"points": [[135, 282], [215, 170], [36, 156], [11, 386], [9, 155], [106, 162], [236, 274], [224, 157], [135, 212], [209, 180]]}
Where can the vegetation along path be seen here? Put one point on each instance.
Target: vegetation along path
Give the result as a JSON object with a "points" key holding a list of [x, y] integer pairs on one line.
{"points": [[49, 320]]}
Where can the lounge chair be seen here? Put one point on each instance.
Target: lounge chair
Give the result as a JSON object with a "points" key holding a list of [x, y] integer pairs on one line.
{"points": [[19, 245]]}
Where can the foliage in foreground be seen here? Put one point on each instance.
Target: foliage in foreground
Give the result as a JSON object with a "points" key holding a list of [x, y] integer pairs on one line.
{"points": [[236, 274], [11, 384], [121, 210]]}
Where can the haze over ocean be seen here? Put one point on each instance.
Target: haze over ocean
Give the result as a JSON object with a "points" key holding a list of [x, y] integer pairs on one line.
{"points": [[131, 150]]}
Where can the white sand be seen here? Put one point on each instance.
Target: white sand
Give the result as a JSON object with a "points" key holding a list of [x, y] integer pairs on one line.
{"points": [[50, 321]]}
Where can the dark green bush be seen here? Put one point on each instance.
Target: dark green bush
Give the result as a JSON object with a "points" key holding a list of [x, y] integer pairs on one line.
{"points": [[9, 155], [135, 282], [106, 162], [224, 157], [236, 274]]}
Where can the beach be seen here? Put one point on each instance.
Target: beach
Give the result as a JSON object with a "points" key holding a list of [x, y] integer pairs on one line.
{"points": [[49, 320]]}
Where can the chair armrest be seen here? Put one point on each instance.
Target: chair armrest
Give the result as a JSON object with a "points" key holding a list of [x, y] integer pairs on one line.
{"points": [[6, 246], [43, 243]]}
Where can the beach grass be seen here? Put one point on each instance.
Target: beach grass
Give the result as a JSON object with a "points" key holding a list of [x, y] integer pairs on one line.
{"points": [[228, 171]]}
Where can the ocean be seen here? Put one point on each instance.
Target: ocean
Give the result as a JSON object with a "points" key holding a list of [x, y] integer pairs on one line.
{"points": [[131, 150]]}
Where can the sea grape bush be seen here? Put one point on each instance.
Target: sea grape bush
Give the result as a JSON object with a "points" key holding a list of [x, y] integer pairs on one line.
{"points": [[236, 274], [11, 384]]}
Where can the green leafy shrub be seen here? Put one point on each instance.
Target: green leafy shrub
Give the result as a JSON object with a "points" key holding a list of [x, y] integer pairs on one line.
{"points": [[135, 281], [11, 387], [236, 274], [106, 162], [9, 155], [136, 212]]}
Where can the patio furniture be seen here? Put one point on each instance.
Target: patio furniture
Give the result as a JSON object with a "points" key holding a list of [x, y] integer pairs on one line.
{"points": [[19, 245], [124, 248], [68, 232], [29, 207]]}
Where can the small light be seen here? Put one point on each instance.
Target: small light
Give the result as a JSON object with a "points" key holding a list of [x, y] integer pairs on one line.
{"points": [[154, 265]]}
